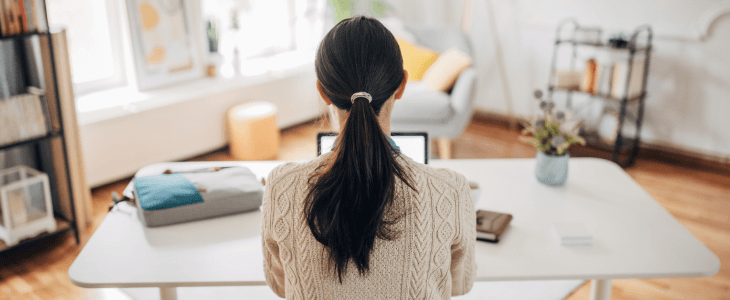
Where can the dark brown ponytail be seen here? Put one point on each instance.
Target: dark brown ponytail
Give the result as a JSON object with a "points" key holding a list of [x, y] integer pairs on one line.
{"points": [[351, 193]]}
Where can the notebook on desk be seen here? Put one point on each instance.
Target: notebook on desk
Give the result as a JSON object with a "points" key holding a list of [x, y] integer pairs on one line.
{"points": [[491, 225], [411, 144]]}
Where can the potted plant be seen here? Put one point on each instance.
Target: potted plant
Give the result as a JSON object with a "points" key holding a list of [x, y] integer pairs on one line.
{"points": [[552, 133]]}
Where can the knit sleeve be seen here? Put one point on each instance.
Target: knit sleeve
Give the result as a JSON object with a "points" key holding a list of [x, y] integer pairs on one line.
{"points": [[273, 268], [463, 264]]}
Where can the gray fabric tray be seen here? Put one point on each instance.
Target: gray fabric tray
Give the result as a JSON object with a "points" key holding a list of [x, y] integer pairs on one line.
{"points": [[228, 191]]}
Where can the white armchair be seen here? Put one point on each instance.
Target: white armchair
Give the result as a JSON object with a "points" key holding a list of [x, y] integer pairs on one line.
{"points": [[444, 116]]}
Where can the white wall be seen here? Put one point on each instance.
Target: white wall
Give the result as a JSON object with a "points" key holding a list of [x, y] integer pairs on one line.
{"points": [[117, 147], [687, 107], [688, 101]]}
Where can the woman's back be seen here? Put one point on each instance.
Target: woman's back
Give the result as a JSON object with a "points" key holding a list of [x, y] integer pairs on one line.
{"points": [[430, 257], [364, 222]]}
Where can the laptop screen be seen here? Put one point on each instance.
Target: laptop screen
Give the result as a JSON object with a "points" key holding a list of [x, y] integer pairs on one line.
{"points": [[412, 144]]}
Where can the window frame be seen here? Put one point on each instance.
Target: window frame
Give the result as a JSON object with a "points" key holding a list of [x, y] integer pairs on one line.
{"points": [[117, 45], [123, 61]]}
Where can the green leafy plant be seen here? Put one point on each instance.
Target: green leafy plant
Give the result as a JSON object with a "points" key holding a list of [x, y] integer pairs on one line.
{"points": [[347, 8], [552, 132]]}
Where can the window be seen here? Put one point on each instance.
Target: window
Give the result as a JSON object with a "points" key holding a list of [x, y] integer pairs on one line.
{"points": [[95, 48], [251, 30], [247, 30]]}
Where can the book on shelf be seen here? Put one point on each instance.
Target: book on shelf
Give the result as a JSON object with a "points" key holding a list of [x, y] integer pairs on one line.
{"points": [[30, 21], [491, 225], [12, 79], [21, 118], [3, 21], [12, 17], [590, 76], [22, 100], [568, 80], [39, 15], [635, 82], [606, 77], [22, 16]]}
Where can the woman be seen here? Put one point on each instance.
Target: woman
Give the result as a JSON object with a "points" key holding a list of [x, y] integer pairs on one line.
{"points": [[363, 221]]}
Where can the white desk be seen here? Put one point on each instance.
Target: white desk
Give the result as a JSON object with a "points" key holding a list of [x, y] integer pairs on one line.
{"points": [[634, 237]]}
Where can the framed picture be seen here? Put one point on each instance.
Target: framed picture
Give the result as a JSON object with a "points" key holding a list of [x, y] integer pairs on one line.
{"points": [[164, 42]]}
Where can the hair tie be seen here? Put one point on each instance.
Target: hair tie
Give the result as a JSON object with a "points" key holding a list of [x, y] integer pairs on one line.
{"points": [[363, 95]]}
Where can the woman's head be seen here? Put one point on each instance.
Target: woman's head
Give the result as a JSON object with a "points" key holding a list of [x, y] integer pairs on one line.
{"points": [[351, 193], [359, 55]]}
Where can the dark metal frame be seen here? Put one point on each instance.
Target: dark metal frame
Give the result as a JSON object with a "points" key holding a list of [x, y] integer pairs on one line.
{"points": [[51, 133], [633, 48]]}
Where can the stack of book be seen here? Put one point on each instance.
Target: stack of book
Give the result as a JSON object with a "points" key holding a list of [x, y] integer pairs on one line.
{"points": [[21, 118], [22, 16]]}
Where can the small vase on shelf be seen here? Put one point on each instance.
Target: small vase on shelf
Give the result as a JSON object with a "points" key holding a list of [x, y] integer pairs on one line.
{"points": [[551, 169]]}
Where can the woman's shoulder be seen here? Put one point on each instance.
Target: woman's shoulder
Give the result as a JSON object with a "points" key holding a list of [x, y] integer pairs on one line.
{"points": [[293, 171], [441, 176]]}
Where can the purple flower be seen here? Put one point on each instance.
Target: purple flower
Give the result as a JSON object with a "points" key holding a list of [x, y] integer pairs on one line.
{"points": [[557, 141], [546, 105]]}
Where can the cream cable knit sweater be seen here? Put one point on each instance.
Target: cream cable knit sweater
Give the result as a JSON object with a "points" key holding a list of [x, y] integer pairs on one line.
{"points": [[433, 258]]}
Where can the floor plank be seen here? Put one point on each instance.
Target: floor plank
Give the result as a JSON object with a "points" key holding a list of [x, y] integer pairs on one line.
{"points": [[700, 200]]}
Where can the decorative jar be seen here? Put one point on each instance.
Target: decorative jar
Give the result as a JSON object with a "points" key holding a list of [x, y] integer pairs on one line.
{"points": [[25, 204]]}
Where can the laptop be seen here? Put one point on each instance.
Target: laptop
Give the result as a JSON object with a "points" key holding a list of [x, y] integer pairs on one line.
{"points": [[412, 144]]}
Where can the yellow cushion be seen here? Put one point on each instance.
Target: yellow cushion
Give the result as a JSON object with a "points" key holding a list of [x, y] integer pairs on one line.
{"points": [[442, 75], [416, 59]]}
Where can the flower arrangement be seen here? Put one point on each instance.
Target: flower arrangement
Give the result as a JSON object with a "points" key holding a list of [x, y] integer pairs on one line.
{"points": [[552, 132]]}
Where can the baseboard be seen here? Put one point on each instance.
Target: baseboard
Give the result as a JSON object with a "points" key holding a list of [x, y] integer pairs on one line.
{"points": [[692, 159], [650, 151], [497, 119]]}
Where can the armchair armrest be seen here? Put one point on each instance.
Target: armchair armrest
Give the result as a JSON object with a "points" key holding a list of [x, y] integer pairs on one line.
{"points": [[462, 93]]}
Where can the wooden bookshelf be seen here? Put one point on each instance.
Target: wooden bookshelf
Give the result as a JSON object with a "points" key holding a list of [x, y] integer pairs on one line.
{"points": [[41, 61]]}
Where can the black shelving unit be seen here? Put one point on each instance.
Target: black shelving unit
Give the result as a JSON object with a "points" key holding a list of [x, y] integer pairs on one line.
{"points": [[634, 47], [64, 224]]}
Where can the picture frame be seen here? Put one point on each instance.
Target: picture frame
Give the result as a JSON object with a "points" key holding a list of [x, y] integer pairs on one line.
{"points": [[164, 42]]}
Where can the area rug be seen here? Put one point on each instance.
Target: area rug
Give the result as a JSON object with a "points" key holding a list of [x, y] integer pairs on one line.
{"points": [[513, 290]]}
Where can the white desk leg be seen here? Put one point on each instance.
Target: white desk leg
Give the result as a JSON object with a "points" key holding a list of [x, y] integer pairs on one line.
{"points": [[168, 293], [601, 289]]}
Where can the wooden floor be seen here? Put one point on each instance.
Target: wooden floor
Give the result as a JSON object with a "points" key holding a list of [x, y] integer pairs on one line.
{"points": [[700, 200]]}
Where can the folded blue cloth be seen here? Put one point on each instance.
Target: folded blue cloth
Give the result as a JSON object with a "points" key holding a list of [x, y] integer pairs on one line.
{"points": [[165, 191]]}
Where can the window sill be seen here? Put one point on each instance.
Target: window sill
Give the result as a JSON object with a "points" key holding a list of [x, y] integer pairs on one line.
{"points": [[119, 102]]}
